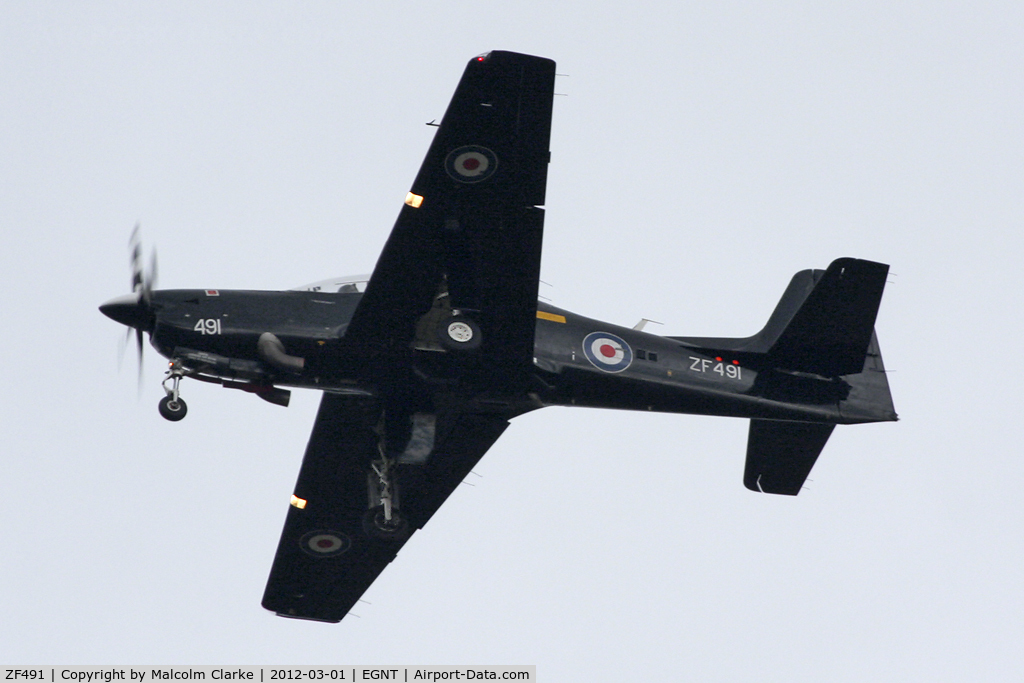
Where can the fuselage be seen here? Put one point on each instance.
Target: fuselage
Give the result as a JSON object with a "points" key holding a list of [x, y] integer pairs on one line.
{"points": [[577, 361]]}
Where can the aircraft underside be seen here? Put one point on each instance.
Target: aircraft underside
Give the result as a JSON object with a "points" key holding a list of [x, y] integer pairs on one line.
{"points": [[423, 364]]}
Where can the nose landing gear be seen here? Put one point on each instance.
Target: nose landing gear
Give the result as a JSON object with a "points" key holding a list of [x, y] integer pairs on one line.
{"points": [[172, 407]]}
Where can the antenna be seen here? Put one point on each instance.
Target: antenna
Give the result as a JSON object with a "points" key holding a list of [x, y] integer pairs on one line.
{"points": [[643, 323]]}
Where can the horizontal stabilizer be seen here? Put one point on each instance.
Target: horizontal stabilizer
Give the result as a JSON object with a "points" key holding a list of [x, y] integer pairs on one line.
{"points": [[780, 455]]}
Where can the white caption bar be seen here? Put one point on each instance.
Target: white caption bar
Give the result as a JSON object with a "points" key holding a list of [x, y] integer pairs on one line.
{"points": [[266, 674]]}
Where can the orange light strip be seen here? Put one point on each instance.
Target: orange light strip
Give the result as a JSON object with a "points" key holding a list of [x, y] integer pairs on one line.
{"points": [[553, 317]]}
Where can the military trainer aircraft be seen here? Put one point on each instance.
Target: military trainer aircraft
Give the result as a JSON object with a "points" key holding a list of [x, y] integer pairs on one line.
{"points": [[423, 363]]}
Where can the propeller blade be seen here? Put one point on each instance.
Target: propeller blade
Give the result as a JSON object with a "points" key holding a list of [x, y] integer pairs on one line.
{"points": [[150, 282], [153, 269], [122, 347], [138, 346], [135, 310], [135, 258]]}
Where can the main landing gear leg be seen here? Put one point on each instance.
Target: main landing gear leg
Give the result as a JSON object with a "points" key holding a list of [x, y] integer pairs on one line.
{"points": [[171, 406], [383, 520], [383, 469]]}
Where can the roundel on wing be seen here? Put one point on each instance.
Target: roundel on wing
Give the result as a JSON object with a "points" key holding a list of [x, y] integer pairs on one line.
{"points": [[607, 352], [471, 163], [323, 543]]}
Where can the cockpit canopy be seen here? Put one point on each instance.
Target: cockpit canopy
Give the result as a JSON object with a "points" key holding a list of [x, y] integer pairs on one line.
{"points": [[348, 284]]}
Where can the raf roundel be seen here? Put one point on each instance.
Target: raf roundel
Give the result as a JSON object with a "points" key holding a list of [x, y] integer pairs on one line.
{"points": [[607, 352], [324, 543], [471, 164]]}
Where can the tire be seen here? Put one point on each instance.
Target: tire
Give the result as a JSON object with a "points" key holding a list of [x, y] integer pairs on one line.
{"points": [[375, 526], [459, 333], [172, 410]]}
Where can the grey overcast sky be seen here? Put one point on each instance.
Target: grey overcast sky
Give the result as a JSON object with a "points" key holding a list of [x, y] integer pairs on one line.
{"points": [[702, 154]]}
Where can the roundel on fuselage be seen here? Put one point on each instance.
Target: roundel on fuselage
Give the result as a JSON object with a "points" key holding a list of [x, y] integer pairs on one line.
{"points": [[607, 352]]}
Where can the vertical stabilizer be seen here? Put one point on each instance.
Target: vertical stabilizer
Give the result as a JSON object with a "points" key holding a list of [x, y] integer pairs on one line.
{"points": [[822, 324], [830, 333]]}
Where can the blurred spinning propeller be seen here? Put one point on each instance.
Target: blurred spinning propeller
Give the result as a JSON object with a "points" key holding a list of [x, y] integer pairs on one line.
{"points": [[135, 310]]}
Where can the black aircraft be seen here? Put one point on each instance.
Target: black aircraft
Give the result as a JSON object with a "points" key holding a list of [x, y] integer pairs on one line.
{"points": [[423, 364]]}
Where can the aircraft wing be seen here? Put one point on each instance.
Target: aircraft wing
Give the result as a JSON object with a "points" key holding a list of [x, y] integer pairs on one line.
{"points": [[470, 233], [325, 560], [466, 245]]}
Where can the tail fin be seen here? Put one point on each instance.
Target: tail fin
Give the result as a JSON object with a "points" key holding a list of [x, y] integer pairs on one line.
{"points": [[829, 334], [822, 324], [823, 327]]}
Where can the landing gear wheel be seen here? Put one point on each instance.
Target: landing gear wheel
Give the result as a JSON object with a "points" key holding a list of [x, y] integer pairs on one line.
{"points": [[376, 526], [459, 334], [171, 409]]}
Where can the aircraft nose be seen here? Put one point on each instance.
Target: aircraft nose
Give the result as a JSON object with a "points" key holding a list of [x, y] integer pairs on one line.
{"points": [[127, 310]]}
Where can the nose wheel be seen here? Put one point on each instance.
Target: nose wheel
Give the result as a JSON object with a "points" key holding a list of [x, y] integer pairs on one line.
{"points": [[172, 407]]}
